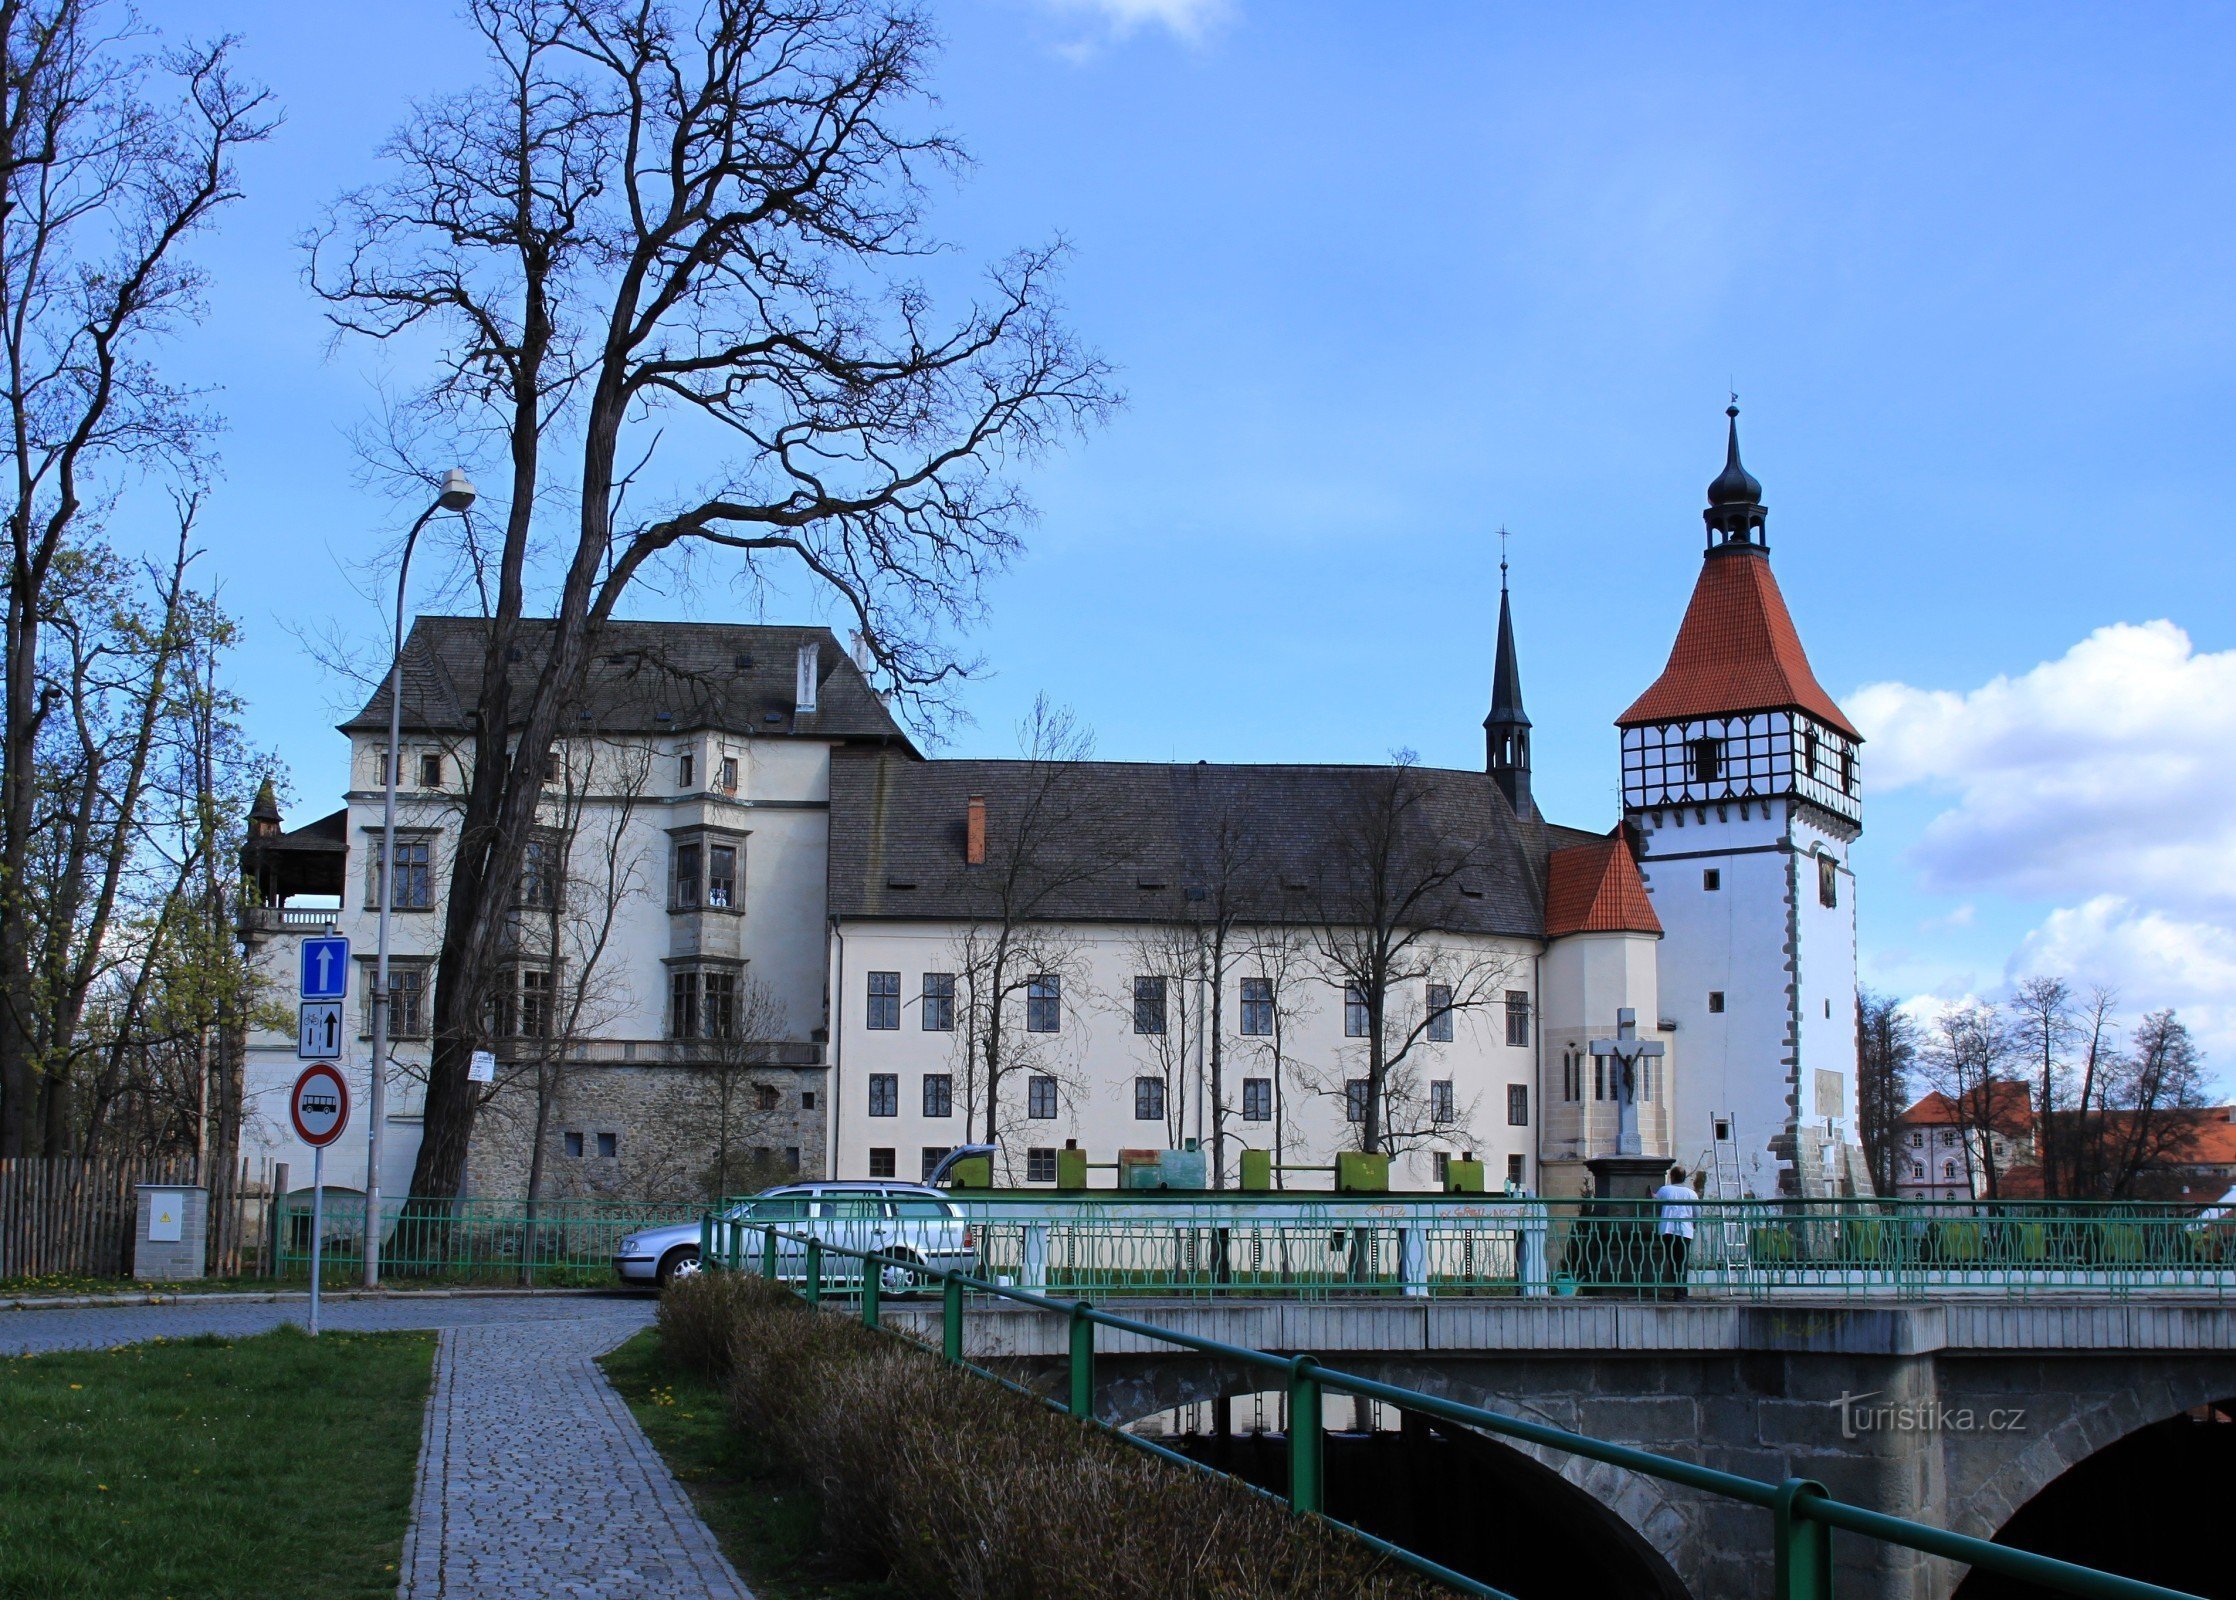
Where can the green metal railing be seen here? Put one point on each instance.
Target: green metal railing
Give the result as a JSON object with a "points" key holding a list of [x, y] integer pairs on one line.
{"points": [[556, 1243], [1803, 1515], [1327, 1246]]}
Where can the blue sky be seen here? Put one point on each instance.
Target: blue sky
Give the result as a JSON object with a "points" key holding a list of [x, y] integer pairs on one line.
{"points": [[1382, 278]]}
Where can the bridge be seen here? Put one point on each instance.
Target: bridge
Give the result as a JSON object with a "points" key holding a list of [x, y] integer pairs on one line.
{"points": [[1988, 1371]]}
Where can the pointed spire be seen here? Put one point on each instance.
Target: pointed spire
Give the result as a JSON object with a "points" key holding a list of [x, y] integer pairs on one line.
{"points": [[1735, 508], [264, 812], [1506, 729]]}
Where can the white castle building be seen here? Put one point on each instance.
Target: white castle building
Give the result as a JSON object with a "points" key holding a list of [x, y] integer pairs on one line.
{"points": [[761, 934]]}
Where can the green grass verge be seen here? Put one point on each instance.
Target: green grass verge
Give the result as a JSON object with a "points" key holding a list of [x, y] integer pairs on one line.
{"points": [[279, 1466], [764, 1517]]}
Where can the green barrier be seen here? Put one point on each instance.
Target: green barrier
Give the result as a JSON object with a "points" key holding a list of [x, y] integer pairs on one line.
{"points": [[1803, 1515]]}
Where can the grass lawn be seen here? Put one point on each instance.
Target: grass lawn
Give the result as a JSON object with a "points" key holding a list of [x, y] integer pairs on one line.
{"points": [[279, 1466], [763, 1516]]}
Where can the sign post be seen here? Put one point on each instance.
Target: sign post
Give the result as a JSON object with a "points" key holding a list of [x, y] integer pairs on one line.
{"points": [[319, 1108]]}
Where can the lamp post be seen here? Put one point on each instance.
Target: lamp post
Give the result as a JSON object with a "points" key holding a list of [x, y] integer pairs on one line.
{"points": [[457, 494]]}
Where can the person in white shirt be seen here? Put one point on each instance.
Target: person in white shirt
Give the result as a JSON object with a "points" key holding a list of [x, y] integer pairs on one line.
{"points": [[1677, 1198]]}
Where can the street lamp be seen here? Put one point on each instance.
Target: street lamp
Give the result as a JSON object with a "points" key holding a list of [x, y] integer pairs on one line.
{"points": [[457, 494]]}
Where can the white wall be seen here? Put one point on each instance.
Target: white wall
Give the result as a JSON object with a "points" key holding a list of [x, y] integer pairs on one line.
{"points": [[1097, 1057]]}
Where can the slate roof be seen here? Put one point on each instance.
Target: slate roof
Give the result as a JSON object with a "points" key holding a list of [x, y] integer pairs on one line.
{"points": [[1737, 650], [647, 677], [1144, 834], [1597, 888]]}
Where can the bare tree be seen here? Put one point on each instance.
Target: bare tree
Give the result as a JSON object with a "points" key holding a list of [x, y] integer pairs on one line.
{"points": [[1389, 882], [586, 866], [1886, 1055], [739, 1099], [2157, 1091], [1279, 957], [1047, 835], [1167, 958], [1967, 1058], [2077, 1142], [692, 219], [2043, 1031], [110, 159]]}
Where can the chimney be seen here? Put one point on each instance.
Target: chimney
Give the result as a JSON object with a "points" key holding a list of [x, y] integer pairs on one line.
{"points": [[803, 683], [974, 831]]}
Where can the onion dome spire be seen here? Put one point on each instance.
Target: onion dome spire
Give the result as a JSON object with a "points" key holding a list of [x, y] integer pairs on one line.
{"points": [[1506, 729], [1735, 513]]}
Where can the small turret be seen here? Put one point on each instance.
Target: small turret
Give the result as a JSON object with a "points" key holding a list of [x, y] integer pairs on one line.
{"points": [[264, 814]]}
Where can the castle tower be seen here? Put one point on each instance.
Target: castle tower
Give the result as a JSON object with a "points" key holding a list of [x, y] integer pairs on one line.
{"points": [[1506, 729], [1740, 781]]}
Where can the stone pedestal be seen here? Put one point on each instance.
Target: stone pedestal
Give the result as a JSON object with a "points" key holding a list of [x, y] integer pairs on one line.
{"points": [[1627, 1177], [170, 1233]]}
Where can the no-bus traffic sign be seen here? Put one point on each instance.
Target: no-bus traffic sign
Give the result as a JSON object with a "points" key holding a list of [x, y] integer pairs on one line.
{"points": [[319, 1107]]}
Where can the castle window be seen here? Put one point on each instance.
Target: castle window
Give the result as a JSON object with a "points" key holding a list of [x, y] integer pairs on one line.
{"points": [[1355, 1018], [1572, 1076], [407, 1000], [1809, 752], [1847, 769], [1517, 1017], [430, 770], [1355, 1091], [1149, 1099], [1516, 1172], [939, 1094], [609, 1145], [1149, 1005], [539, 873], [1711, 879], [881, 1161], [1707, 760], [686, 768], [1257, 1006], [885, 1095], [938, 1011], [415, 879], [933, 1155], [1442, 1100], [722, 875], [1044, 1004], [1441, 1163], [1440, 1012], [1040, 1097], [701, 1004], [730, 774], [688, 856], [1040, 1165], [884, 1001], [1257, 1099], [1715, 1001], [1517, 1105]]}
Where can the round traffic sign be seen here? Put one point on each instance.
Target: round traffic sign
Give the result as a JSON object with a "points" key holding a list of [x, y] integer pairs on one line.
{"points": [[320, 1104]]}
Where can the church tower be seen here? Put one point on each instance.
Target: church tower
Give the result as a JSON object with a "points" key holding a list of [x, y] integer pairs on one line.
{"points": [[1506, 729], [1740, 782]]}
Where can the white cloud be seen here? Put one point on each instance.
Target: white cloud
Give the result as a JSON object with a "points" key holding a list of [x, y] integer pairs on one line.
{"points": [[2099, 773], [1188, 20], [2152, 959]]}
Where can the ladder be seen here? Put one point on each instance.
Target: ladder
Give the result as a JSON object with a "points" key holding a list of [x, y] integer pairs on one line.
{"points": [[1724, 1180]]}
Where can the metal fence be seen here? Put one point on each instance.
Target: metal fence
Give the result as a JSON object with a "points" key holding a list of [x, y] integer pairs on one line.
{"points": [[555, 1243], [1331, 1246], [1802, 1514]]}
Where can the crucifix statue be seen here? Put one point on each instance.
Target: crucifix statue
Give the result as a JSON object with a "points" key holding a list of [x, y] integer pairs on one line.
{"points": [[1623, 1053]]}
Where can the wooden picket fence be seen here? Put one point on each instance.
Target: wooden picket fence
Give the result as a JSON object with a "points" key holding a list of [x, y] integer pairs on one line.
{"points": [[64, 1215]]}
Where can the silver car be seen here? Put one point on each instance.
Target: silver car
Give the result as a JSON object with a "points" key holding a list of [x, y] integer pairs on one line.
{"points": [[909, 1221]]}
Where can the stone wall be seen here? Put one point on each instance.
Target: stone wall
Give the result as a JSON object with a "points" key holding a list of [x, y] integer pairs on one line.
{"points": [[654, 1132]]}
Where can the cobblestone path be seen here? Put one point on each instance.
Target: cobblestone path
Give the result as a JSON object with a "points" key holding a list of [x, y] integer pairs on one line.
{"points": [[534, 1479]]}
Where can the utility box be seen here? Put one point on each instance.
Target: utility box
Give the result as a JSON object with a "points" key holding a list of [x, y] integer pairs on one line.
{"points": [[1257, 1169], [1071, 1168], [170, 1232], [1463, 1177], [1161, 1169], [972, 1172], [1357, 1172]]}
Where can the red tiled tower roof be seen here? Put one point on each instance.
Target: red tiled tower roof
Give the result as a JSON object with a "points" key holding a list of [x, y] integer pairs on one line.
{"points": [[1596, 888], [1736, 651]]}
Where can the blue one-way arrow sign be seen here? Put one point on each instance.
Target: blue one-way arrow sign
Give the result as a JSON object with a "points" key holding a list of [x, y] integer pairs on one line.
{"points": [[326, 969]]}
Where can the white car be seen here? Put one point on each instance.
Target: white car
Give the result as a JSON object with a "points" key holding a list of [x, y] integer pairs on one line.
{"points": [[909, 1221]]}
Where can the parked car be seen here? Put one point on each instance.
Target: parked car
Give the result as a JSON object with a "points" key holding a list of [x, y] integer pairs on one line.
{"points": [[910, 1221]]}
